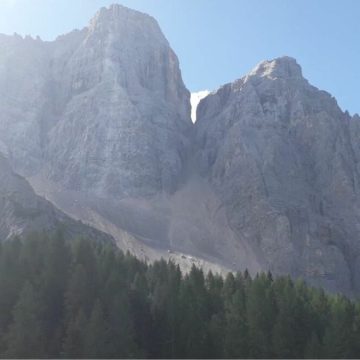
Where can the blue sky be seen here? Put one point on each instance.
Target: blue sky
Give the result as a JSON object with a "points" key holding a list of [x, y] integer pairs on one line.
{"points": [[218, 41]]}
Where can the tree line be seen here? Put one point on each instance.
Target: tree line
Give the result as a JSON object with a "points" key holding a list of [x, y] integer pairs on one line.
{"points": [[85, 299]]}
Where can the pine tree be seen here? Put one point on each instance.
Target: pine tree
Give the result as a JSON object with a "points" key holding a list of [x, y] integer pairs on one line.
{"points": [[74, 341], [25, 337], [96, 335], [339, 334], [11, 280], [236, 330], [53, 286], [286, 326], [103, 304], [313, 348], [122, 331], [195, 315], [79, 293], [261, 314], [140, 311], [215, 329]]}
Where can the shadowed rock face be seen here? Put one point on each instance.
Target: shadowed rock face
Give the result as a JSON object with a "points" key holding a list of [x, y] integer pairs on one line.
{"points": [[284, 159], [102, 110], [267, 178], [23, 212]]}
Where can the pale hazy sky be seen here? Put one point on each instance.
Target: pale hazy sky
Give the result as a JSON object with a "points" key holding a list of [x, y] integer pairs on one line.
{"points": [[218, 41]]}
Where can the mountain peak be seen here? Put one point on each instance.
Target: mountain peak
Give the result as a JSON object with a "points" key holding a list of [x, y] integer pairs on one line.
{"points": [[130, 25], [282, 67], [116, 13], [116, 10]]}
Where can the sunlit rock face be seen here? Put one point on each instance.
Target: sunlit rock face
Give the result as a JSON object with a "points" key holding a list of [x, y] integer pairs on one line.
{"points": [[284, 159], [102, 110]]}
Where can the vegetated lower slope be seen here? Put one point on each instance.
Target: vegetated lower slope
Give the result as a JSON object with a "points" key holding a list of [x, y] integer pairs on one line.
{"points": [[88, 299]]}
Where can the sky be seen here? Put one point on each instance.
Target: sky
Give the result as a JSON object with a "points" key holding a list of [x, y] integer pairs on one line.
{"points": [[218, 41]]}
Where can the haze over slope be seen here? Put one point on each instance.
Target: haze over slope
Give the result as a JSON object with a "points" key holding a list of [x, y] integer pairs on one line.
{"points": [[23, 212]]}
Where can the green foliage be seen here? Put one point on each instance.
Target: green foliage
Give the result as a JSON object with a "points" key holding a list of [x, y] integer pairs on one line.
{"points": [[89, 300], [25, 334]]}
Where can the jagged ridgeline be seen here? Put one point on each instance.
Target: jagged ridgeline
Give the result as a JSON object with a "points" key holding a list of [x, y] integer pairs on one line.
{"points": [[86, 299], [98, 121]]}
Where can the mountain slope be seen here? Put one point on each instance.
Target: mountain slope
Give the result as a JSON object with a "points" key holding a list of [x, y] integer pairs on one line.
{"points": [[22, 211], [101, 127], [98, 122], [284, 159]]}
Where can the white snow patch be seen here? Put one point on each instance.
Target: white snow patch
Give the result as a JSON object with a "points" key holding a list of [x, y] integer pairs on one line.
{"points": [[195, 99]]}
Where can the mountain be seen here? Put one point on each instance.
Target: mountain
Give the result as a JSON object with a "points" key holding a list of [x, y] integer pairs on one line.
{"points": [[23, 212], [108, 98], [98, 121], [284, 159]]}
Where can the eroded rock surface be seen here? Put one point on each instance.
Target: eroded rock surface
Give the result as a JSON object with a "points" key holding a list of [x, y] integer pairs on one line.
{"points": [[102, 110], [284, 159]]}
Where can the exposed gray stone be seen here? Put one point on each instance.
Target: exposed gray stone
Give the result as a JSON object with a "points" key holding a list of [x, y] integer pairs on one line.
{"points": [[102, 110], [284, 159]]}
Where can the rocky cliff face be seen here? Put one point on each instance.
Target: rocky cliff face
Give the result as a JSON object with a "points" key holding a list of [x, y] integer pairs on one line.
{"points": [[284, 159], [99, 122], [102, 110], [267, 178]]}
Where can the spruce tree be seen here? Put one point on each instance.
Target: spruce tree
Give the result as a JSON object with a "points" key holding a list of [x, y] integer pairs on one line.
{"points": [[25, 337], [261, 314], [53, 286], [236, 331], [74, 340], [96, 334]]}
